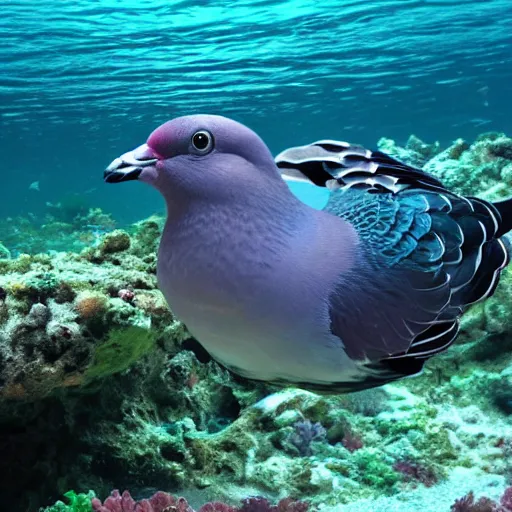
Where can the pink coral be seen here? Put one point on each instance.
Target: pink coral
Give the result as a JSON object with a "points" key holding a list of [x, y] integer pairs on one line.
{"points": [[506, 500], [217, 506], [467, 504], [352, 441], [159, 502], [259, 504], [126, 295], [415, 471], [163, 502]]}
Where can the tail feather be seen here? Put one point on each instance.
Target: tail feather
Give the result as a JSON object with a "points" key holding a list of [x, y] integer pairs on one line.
{"points": [[505, 210]]}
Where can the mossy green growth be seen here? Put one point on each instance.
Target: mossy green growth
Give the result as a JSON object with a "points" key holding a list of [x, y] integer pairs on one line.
{"points": [[45, 283], [77, 503], [435, 445], [374, 470], [21, 264], [122, 348]]}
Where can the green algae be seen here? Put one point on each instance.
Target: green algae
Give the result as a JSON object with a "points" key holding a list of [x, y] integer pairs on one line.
{"points": [[76, 503], [374, 470], [122, 348]]}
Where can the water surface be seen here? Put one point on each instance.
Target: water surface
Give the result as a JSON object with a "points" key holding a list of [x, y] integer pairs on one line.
{"points": [[82, 81]]}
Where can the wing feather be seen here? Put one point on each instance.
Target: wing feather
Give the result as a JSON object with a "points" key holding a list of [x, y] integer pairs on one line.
{"points": [[428, 254]]}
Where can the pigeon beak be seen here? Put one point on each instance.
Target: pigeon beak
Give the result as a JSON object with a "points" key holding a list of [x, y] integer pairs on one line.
{"points": [[128, 167]]}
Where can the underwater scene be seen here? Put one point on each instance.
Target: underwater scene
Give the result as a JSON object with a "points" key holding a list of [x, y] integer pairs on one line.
{"points": [[254, 256]]}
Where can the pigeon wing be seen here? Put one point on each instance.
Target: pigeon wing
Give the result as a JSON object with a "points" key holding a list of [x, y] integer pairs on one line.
{"points": [[427, 254]]}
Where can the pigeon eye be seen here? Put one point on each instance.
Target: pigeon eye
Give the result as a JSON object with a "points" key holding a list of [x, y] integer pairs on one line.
{"points": [[202, 141]]}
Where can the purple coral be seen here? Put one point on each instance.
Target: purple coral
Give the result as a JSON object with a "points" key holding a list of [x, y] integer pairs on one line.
{"points": [[305, 433], [467, 503], [352, 441], [217, 506], [506, 500], [126, 295], [259, 504], [415, 471], [163, 502], [159, 502]]}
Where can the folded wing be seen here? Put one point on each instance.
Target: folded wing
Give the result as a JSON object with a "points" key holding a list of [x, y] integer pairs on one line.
{"points": [[427, 254]]}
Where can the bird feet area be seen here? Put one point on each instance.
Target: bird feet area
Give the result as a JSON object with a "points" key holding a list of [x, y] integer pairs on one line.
{"points": [[102, 388]]}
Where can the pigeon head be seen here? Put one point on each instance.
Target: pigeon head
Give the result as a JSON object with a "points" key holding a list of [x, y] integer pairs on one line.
{"points": [[199, 157]]}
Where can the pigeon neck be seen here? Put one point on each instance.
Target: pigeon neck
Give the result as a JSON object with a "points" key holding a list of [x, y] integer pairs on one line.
{"points": [[277, 203], [244, 224], [211, 251]]}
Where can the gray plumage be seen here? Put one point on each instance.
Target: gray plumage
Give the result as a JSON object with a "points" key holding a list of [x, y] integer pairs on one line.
{"points": [[347, 298]]}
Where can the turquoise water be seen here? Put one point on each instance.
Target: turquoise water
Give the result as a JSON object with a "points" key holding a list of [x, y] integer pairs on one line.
{"points": [[82, 81]]}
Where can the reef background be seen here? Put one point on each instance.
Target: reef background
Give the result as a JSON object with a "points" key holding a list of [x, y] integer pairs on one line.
{"points": [[101, 388]]}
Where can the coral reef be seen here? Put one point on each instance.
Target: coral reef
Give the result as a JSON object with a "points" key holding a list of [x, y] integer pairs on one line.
{"points": [[101, 387], [165, 502], [159, 502], [62, 321], [71, 225], [415, 152], [469, 504]]}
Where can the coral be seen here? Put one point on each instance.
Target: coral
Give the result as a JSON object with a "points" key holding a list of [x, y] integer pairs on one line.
{"points": [[305, 433], [412, 471], [90, 305], [65, 226], [163, 502], [147, 236], [506, 500], [468, 504], [97, 219], [501, 393], [57, 310], [38, 315], [258, 504], [351, 441], [370, 402], [151, 303], [482, 168], [159, 502], [375, 470], [117, 241], [64, 293], [101, 386], [217, 506], [416, 152], [126, 295]]}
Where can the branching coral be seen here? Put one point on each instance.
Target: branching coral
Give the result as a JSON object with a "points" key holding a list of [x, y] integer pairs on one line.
{"points": [[258, 504], [159, 502], [468, 504], [305, 433], [163, 502]]}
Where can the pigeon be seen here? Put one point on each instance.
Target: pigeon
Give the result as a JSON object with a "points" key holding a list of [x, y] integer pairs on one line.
{"points": [[350, 297]]}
